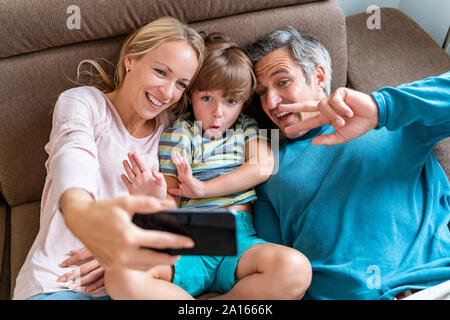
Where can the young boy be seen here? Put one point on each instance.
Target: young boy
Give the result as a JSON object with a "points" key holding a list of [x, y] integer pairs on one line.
{"points": [[212, 157]]}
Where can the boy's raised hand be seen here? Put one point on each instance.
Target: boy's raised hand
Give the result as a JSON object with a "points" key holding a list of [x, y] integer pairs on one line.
{"points": [[190, 187], [140, 180]]}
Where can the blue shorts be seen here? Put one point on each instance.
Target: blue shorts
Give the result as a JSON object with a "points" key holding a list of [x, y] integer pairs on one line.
{"points": [[66, 295], [197, 274]]}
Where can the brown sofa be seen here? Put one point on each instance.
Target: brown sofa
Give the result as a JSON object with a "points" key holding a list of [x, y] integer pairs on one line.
{"points": [[39, 56]]}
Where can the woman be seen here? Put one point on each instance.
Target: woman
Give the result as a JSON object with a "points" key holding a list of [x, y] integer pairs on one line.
{"points": [[93, 129]]}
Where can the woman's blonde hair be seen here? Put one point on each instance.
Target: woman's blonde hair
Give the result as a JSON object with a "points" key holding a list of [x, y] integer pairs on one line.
{"points": [[226, 67], [143, 40]]}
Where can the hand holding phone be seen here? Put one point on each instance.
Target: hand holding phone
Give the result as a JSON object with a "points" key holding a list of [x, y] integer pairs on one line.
{"points": [[212, 230]]}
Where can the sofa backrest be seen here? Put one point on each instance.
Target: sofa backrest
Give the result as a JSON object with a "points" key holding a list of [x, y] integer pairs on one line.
{"points": [[40, 54]]}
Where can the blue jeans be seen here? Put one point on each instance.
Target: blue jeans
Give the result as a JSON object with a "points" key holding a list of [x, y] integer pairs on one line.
{"points": [[66, 295]]}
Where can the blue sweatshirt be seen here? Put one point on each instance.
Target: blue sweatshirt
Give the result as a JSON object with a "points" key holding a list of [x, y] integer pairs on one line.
{"points": [[372, 214]]}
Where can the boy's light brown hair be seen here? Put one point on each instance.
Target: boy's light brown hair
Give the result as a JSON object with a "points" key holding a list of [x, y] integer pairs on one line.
{"points": [[226, 67]]}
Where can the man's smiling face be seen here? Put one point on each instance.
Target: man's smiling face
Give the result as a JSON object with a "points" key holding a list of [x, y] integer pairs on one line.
{"points": [[280, 80]]}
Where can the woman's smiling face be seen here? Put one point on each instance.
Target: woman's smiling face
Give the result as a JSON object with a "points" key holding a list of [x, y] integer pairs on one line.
{"points": [[159, 78]]}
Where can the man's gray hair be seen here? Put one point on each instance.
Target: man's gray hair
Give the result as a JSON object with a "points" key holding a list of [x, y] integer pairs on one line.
{"points": [[306, 50]]}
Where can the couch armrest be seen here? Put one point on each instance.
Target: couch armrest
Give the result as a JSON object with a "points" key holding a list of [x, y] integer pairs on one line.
{"points": [[399, 52]]}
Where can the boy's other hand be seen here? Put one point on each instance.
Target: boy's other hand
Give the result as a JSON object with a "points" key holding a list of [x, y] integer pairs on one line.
{"points": [[190, 187]]}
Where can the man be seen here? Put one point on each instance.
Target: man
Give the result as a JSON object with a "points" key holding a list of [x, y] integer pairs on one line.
{"points": [[359, 190]]}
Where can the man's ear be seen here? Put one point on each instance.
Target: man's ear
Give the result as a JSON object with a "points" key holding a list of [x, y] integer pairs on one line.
{"points": [[319, 78]]}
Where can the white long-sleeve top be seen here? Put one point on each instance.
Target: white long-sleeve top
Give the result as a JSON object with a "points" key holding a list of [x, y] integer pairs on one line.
{"points": [[87, 145]]}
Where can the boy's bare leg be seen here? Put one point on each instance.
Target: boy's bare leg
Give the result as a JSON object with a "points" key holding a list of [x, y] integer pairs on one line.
{"points": [[270, 271], [155, 284]]}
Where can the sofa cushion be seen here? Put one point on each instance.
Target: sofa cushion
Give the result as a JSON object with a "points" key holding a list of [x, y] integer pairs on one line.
{"points": [[30, 84], [24, 228], [5, 236], [29, 26], [2, 235]]}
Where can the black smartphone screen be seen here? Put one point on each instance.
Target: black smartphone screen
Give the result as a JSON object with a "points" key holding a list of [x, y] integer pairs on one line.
{"points": [[213, 231]]}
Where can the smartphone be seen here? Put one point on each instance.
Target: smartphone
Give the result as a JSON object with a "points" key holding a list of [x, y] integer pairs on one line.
{"points": [[212, 230]]}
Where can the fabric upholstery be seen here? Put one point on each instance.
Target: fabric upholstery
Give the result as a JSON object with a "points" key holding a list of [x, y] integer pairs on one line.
{"points": [[36, 25], [391, 55], [24, 228], [4, 252], [2, 232]]}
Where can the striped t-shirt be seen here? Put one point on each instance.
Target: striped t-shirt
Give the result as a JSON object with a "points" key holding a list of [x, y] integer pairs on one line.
{"points": [[208, 158]]}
